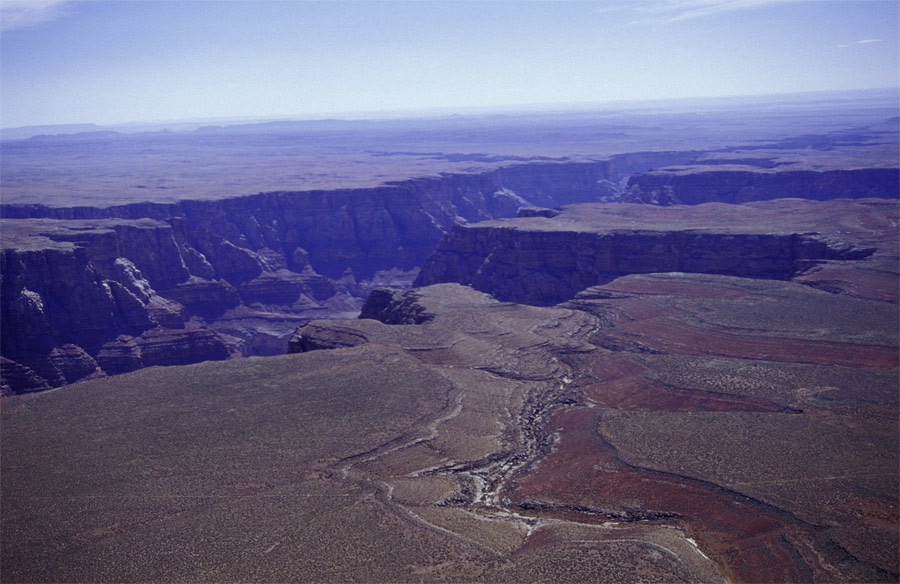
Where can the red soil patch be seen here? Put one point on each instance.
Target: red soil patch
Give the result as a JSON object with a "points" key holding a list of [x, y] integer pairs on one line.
{"points": [[669, 336], [660, 287], [618, 381], [753, 542]]}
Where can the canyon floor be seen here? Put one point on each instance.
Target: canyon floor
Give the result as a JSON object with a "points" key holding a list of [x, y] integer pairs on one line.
{"points": [[595, 390]]}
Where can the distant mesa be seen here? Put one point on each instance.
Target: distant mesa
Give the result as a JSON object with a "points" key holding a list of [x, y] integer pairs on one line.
{"points": [[24, 132]]}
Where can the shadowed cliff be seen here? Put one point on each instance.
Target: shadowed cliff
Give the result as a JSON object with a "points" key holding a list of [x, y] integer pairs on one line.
{"points": [[88, 291], [547, 257], [92, 291]]}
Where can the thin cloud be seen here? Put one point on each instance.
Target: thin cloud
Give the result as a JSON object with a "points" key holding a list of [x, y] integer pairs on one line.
{"points": [[693, 9], [16, 14], [862, 42], [671, 11]]}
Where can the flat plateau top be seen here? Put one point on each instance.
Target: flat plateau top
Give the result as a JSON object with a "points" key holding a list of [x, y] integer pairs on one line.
{"points": [[35, 234], [108, 168], [779, 216]]}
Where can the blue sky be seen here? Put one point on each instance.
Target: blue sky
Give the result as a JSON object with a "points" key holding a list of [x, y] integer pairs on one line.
{"points": [[113, 61]]}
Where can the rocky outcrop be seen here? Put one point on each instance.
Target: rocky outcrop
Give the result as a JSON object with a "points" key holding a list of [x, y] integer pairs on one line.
{"points": [[161, 346], [204, 297], [311, 337], [693, 187], [284, 287], [544, 260], [17, 378], [395, 307], [538, 212], [120, 355]]}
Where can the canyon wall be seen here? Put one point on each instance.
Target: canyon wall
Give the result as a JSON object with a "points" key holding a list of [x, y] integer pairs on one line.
{"points": [[738, 186], [365, 229], [89, 291], [546, 257]]}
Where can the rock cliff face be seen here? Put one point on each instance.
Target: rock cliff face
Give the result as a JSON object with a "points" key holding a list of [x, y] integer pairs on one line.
{"points": [[544, 260], [233, 277], [365, 229], [733, 186], [147, 284], [81, 300]]}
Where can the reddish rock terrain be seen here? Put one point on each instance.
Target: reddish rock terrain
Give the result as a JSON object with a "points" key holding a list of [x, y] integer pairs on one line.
{"points": [[773, 441]]}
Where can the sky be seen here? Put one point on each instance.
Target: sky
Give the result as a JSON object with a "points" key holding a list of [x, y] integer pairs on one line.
{"points": [[120, 61]]}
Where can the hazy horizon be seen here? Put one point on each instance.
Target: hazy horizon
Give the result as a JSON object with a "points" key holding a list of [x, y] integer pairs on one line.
{"points": [[629, 105], [111, 62]]}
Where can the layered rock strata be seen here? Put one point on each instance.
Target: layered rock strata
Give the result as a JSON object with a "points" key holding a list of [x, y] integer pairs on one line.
{"points": [[81, 300], [233, 276], [249, 269], [693, 186], [546, 258]]}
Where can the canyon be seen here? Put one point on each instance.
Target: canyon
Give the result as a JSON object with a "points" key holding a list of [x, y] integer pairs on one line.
{"points": [[227, 278], [463, 355], [659, 427], [547, 256], [91, 291]]}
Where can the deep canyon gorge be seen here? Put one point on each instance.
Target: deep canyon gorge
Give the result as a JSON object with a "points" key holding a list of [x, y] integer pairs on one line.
{"points": [[91, 291], [657, 348]]}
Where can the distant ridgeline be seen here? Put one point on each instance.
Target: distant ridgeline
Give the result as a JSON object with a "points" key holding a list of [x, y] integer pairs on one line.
{"points": [[89, 291]]}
